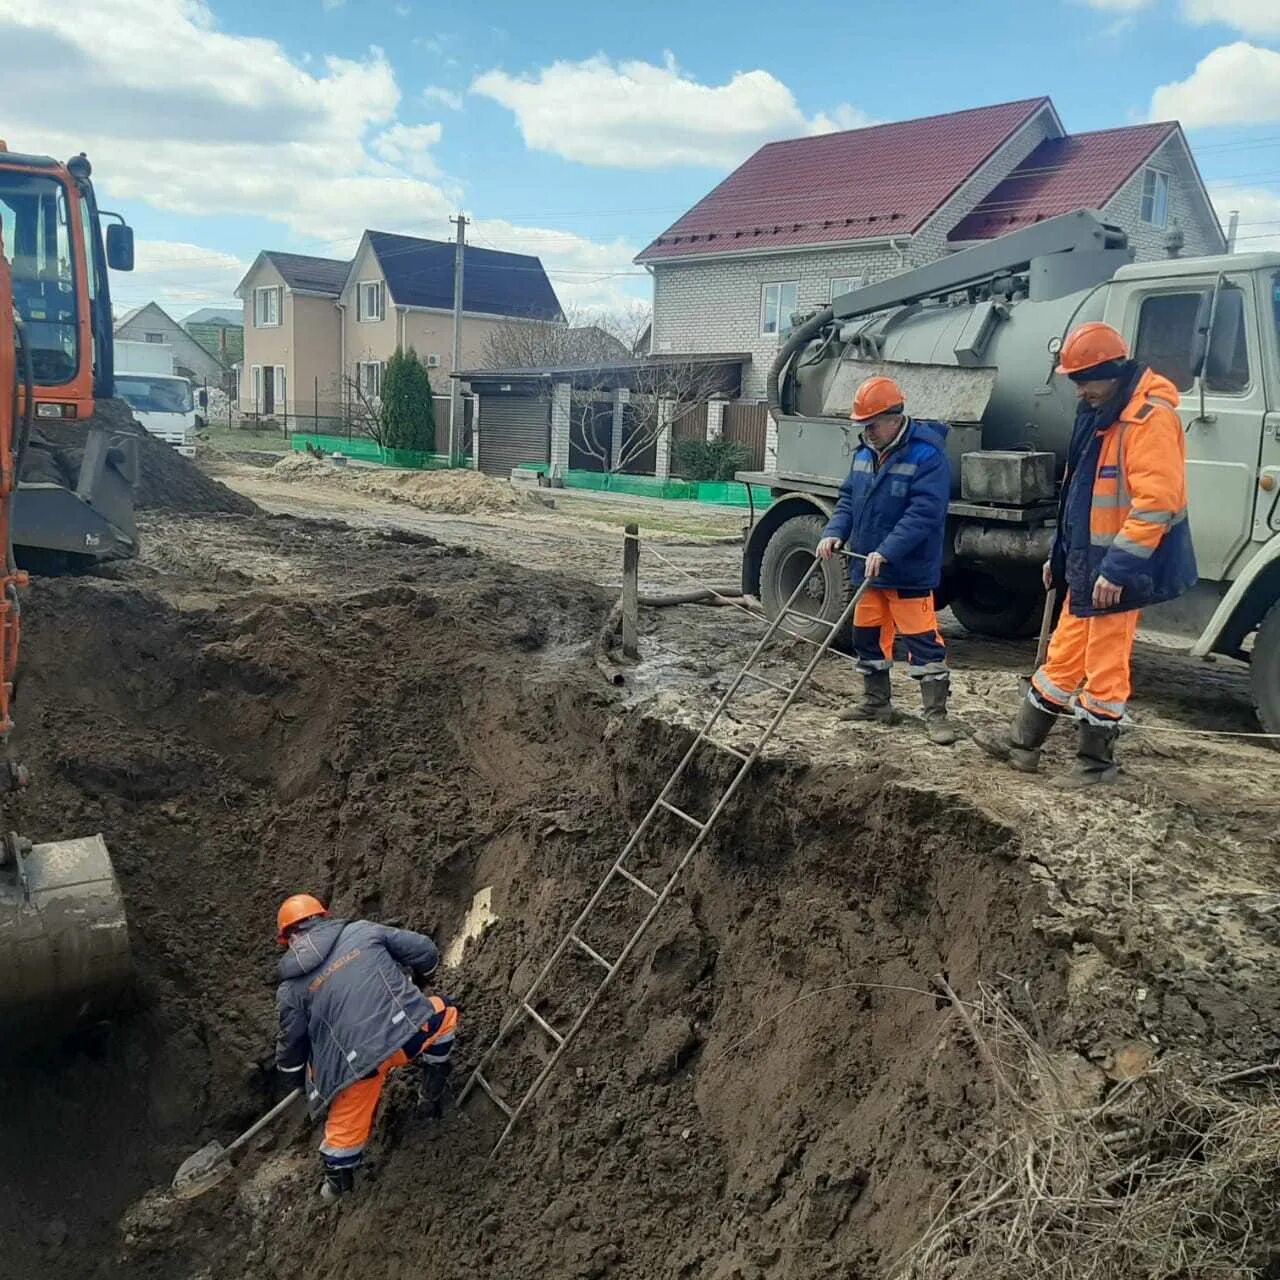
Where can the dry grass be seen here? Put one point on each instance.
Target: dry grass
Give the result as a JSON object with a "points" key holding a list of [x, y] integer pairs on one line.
{"points": [[1165, 1179]]}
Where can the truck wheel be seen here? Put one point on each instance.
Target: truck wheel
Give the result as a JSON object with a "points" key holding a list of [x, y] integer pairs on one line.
{"points": [[988, 607], [787, 557], [1264, 671]]}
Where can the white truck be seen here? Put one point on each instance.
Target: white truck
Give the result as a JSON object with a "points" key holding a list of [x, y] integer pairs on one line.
{"points": [[161, 400], [973, 339]]}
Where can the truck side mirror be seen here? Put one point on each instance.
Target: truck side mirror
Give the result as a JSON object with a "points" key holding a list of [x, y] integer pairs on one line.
{"points": [[1200, 334], [120, 247], [202, 398]]}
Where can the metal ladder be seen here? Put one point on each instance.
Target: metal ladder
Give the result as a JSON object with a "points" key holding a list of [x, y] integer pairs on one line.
{"points": [[573, 939]]}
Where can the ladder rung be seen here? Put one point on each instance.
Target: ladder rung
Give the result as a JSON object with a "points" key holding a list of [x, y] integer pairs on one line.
{"points": [[595, 955], [773, 684], [635, 880], [808, 617], [493, 1097], [680, 813], [542, 1022]]}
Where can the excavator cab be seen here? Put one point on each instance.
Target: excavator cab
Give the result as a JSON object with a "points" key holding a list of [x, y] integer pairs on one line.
{"points": [[64, 942]]}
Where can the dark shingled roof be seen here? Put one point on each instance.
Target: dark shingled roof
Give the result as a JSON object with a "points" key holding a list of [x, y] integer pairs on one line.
{"points": [[314, 275], [862, 184], [1080, 171], [419, 273]]}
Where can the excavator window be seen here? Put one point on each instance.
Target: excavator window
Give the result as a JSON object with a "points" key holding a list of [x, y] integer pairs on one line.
{"points": [[34, 218]]}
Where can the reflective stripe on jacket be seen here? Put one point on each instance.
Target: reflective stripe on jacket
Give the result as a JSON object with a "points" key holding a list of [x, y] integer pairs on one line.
{"points": [[1138, 535], [346, 1003], [896, 503]]}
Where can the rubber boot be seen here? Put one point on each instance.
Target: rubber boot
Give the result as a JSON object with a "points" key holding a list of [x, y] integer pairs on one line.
{"points": [[934, 691], [431, 1088], [1095, 757], [337, 1183], [1020, 745], [876, 701]]}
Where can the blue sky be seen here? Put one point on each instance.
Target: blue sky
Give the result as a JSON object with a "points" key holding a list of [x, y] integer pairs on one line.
{"points": [[574, 131]]}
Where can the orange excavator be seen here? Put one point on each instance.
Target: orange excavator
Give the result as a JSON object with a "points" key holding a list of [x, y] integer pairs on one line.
{"points": [[64, 944]]}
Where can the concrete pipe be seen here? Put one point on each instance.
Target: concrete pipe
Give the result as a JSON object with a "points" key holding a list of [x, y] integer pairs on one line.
{"points": [[64, 940]]}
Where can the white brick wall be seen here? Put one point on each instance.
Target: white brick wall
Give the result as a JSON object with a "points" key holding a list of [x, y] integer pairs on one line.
{"points": [[715, 306], [1186, 208]]}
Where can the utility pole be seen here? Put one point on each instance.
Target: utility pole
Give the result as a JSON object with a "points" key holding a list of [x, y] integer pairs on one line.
{"points": [[1232, 224], [455, 387]]}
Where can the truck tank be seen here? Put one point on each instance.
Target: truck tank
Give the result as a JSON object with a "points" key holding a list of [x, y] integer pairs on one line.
{"points": [[1028, 408]]}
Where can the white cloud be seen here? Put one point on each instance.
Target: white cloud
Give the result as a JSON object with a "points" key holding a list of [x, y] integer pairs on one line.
{"points": [[447, 97], [1259, 211], [639, 115], [1119, 6], [1234, 84], [1253, 17], [177, 275], [845, 116], [409, 146]]}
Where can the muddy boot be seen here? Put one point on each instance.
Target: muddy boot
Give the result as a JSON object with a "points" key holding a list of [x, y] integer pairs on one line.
{"points": [[933, 693], [431, 1088], [1095, 757], [337, 1183], [1020, 744], [876, 701]]}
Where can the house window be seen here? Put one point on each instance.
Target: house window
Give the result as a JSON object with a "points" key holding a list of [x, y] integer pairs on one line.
{"points": [[153, 337], [1155, 197], [266, 307], [845, 284], [370, 300], [369, 378], [777, 303]]}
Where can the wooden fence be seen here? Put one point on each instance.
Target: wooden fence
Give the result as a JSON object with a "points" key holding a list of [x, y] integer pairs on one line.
{"points": [[746, 423]]}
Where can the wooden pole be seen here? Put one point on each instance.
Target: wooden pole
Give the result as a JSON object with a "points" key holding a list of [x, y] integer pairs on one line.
{"points": [[631, 592]]}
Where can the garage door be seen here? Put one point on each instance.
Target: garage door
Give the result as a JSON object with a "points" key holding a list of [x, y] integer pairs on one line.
{"points": [[513, 429]]}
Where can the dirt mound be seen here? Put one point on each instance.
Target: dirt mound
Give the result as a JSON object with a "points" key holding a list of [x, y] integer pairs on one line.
{"points": [[453, 492], [166, 480], [775, 1089]]}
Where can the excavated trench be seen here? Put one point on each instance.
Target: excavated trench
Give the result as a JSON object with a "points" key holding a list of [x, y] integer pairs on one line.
{"points": [[773, 1088]]}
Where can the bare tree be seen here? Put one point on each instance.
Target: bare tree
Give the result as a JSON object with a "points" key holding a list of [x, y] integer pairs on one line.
{"points": [[363, 412], [662, 393], [585, 337]]}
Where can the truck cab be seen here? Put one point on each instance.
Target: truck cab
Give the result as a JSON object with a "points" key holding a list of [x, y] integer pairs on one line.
{"points": [[164, 404]]}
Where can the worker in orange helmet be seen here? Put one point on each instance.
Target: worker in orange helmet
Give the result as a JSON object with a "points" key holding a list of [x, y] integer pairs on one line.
{"points": [[893, 514], [1122, 543], [352, 1009]]}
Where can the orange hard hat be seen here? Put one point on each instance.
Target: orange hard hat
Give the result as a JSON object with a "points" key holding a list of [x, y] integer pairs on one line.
{"points": [[1091, 344], [876, 395], [295, 909]]}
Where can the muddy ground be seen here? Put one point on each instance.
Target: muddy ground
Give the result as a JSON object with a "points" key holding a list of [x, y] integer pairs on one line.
{"points": [[773, 1090]]}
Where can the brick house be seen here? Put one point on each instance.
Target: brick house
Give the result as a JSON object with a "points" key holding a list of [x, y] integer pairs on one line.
{"points": [[316, 326], [802, 221]]}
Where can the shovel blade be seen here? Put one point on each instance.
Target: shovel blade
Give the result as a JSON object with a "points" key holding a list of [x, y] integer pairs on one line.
{"points": [[201, 1172]]}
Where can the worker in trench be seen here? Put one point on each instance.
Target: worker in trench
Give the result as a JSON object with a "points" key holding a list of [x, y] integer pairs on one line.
{"points": [[893, 514], [353, 1008], [1122, 543]]}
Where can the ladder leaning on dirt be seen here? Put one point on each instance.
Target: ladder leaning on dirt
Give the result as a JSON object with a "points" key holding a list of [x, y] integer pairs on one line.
{"points": [[619, 871]]}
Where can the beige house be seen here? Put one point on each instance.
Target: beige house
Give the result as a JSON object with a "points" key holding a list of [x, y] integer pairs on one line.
{"points": [[315, 328]]}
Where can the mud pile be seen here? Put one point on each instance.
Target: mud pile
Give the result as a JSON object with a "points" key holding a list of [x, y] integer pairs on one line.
{"points": [[454, 492], [166, 480], [772, 1091]]}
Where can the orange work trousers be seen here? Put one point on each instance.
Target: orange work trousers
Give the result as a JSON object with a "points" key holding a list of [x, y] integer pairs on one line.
{"points": [[882, 614], [1087, 666], [349, 1121]]}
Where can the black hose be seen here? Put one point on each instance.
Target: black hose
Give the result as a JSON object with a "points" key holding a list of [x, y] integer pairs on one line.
{"points": [[805, 333]]}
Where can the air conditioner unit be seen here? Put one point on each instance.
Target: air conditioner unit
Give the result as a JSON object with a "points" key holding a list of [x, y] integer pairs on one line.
{"points": [[433, 362]]}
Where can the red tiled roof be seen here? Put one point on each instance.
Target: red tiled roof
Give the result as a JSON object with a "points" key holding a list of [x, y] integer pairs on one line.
{"points": [[1082, 171], [858, 185]]}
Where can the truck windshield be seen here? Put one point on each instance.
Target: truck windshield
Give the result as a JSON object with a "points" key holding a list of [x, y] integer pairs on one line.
{"points": [[34, 220], [1275, 308], [154, 395]]}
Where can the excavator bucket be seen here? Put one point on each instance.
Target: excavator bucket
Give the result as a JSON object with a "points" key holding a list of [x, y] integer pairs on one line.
{"points": [[64, 942]]}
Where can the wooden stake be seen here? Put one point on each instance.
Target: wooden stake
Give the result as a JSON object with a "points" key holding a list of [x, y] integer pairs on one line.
{"points": [[631, 592]]}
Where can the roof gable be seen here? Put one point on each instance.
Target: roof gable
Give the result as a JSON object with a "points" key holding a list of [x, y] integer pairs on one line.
{"points": [[419, 273], [1080, 171], [839, 187]]}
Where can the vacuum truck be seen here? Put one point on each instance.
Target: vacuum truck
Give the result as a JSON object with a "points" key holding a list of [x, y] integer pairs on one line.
{"points": [[973, 340]]}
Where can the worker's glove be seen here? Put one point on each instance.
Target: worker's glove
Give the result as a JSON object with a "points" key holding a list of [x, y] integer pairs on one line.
{"points": [[422, 979], [285, 1082]]}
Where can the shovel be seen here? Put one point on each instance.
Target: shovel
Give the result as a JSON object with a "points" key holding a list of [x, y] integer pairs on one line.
{"points": [[204, 1170], [1046, 628]]}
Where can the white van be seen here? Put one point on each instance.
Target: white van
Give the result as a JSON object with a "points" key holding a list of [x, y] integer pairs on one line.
{"points": [[165, 406]]}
